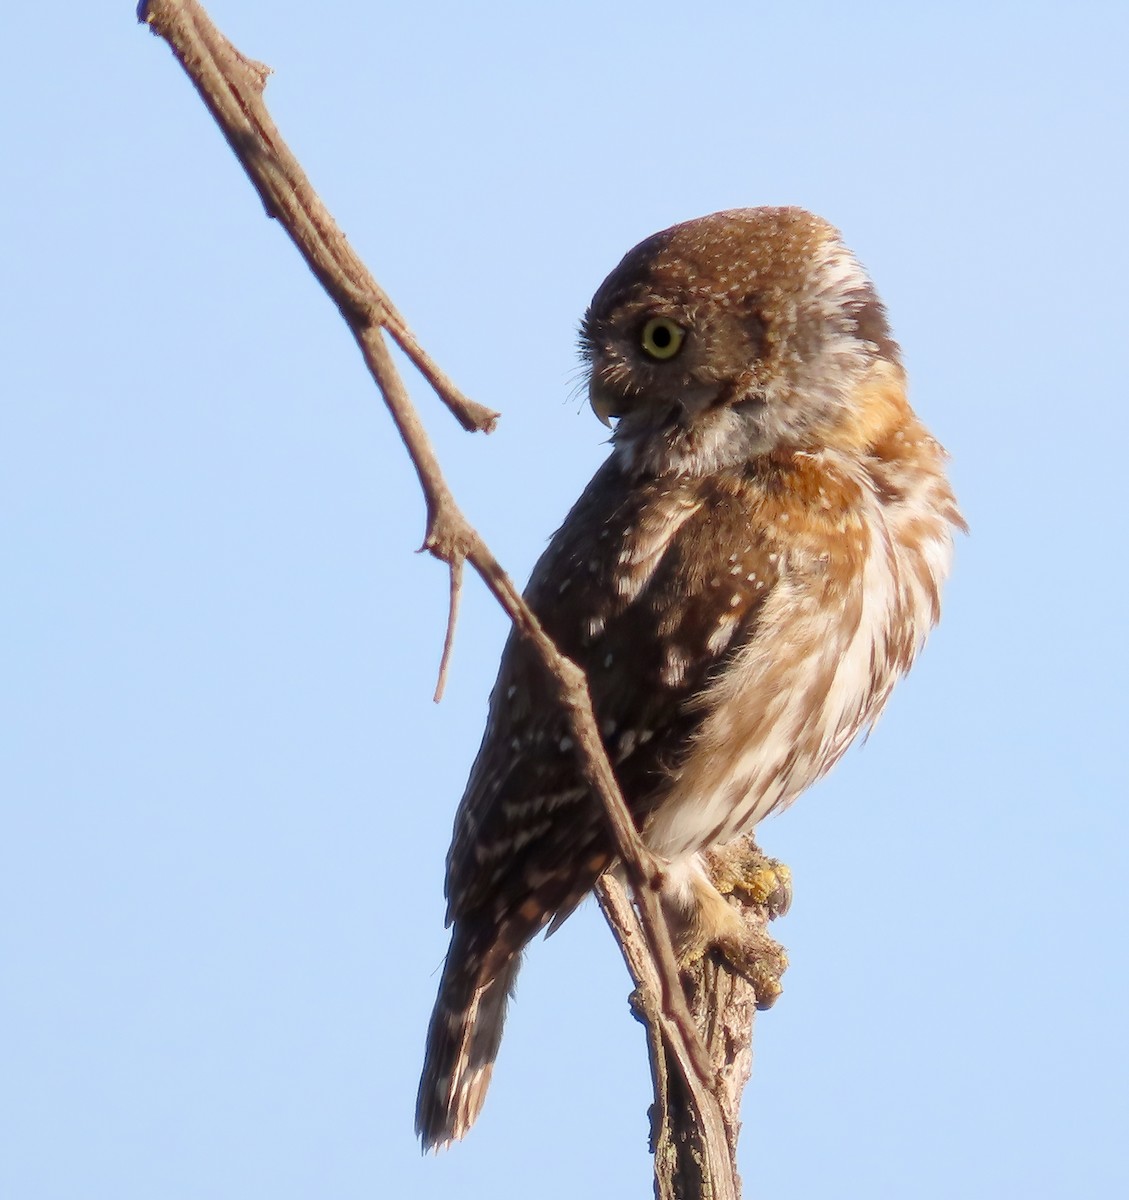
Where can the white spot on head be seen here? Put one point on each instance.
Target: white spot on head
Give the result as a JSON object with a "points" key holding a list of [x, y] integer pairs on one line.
{"points": [[566, 743]]}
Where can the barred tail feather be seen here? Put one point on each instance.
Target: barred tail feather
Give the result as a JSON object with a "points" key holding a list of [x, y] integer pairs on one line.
{"points": [[463, 1039]]}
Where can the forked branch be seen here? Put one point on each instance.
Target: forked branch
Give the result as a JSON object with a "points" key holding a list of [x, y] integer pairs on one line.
{"points": [[703, 1134]]}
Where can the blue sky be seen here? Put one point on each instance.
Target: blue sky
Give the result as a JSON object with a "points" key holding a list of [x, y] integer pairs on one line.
{"points": [[226, 794]]}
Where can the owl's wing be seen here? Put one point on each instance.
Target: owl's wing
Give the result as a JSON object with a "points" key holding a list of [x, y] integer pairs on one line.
{"points": [[649, 586]]}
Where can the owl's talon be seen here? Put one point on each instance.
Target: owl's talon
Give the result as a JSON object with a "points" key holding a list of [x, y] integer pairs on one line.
{"points": [[747, 951], [767, 885], [760, 959], [739, 870]]}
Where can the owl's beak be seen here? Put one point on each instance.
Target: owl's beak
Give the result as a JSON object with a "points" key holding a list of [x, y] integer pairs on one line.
{"points": [[602, 406]]}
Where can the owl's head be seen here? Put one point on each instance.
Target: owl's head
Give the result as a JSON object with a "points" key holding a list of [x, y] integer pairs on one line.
{"points": [[736, 335]]}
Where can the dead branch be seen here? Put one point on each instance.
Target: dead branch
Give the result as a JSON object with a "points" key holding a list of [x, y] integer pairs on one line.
{"points": [[697, 1099], [724, 1003]]}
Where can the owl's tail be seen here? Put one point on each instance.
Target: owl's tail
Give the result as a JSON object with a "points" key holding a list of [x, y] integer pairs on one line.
{"points": [[464, 1035]]}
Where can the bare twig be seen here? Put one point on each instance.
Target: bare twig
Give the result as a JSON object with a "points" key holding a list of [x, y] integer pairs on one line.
{"points": [[452, 620], [231, 86]]}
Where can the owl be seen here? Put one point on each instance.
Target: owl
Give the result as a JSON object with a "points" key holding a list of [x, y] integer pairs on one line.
{"points": [[756, 563]]}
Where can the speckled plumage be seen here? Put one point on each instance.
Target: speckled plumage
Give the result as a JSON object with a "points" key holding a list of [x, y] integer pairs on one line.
{"points": [[744, 580]]}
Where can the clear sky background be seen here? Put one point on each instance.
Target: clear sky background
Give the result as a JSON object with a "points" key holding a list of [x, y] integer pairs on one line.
{"points": [[226, 793]]}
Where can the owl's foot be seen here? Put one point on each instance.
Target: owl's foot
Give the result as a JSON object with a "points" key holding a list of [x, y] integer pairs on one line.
{"points": [[761, 959], [753, 879], [736, 892]]}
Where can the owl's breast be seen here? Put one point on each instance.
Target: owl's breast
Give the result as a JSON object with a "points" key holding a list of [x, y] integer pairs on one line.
{"points": [[831, 639]]}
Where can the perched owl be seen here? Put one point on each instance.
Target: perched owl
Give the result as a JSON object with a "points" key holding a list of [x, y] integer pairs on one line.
{"points": [[744, 579]]}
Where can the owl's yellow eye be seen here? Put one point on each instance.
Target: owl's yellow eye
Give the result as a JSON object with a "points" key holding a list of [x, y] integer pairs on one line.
{"points": [[662, 338]]}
